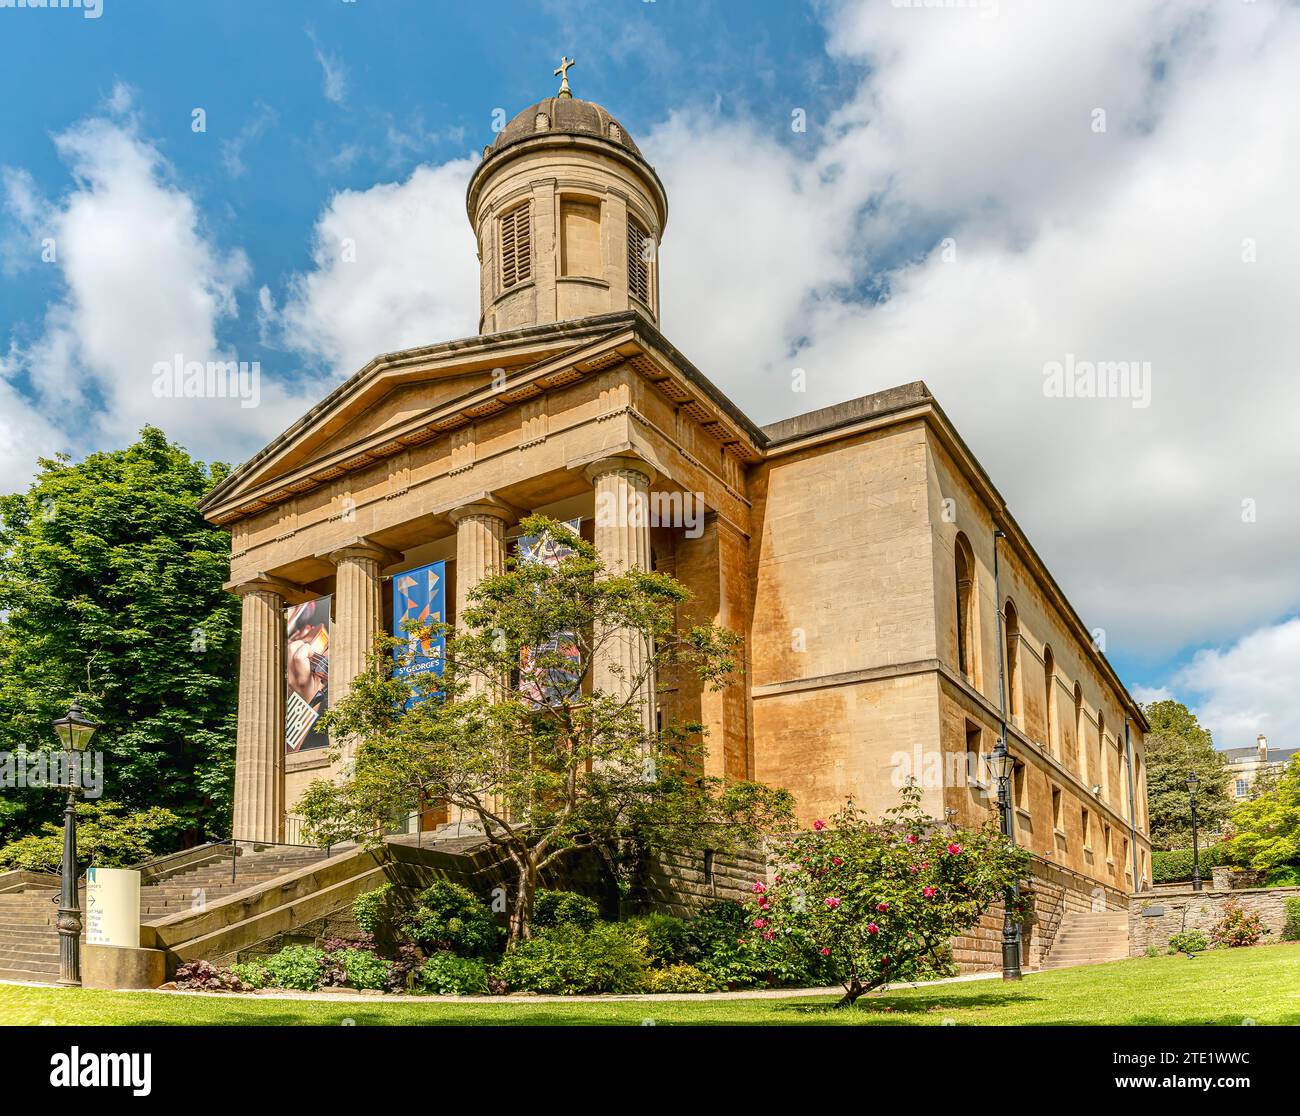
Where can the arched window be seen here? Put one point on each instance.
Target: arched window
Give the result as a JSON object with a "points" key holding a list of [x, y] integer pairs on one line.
{"points": [[1103, 768], [1078, 756], [1012, 622], [1049, 702], [967, 616]]}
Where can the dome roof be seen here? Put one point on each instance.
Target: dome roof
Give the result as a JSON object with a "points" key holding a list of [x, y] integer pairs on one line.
{"points": [[565, 116]]}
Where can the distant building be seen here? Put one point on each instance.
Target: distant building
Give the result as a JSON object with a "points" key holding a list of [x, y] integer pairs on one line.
{"points": [[1245, 765]]}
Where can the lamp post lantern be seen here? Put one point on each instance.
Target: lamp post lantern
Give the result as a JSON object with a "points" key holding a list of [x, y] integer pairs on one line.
{"points": [[74, 731], [1192, 783]]}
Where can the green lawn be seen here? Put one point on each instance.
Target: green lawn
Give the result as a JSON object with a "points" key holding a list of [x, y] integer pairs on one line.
{"points": [[1260, 984]]}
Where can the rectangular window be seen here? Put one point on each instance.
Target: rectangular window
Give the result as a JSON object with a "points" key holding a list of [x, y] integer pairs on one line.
{"points": [[516, 246], [1105, 832], [1087, 829], [1020, 787], [1243, 788], [640, 251], [976, 771], [1057, 821]]}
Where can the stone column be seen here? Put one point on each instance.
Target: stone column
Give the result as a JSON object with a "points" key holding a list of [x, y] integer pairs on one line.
{"points": [[480, 549], [259, 736], [358, 614], [623, 542]]}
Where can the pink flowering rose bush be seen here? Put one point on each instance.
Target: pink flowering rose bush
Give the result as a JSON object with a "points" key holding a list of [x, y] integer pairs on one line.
{"points": [[880, 901]]}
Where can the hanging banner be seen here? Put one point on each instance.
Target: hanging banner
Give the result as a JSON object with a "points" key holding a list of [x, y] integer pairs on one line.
{"points": [[419, 598], [307, 671], [548, 685]]}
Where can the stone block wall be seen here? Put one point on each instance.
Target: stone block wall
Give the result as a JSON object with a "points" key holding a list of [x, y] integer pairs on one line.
{"points": [[1154, 919], [680, 883]]}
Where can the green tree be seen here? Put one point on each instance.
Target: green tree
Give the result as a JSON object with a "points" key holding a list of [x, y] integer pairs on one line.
{"points": [[544, 779], [110, 588], [1266, 829], [1176, 746]]}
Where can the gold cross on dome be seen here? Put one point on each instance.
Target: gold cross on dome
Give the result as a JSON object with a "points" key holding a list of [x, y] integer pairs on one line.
{"points": [[563, 74]]}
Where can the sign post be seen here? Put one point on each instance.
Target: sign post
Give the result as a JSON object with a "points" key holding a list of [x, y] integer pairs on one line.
{"points": [[113, 907]]}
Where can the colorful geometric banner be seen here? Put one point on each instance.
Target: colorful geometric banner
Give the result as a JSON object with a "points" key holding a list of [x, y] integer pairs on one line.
{"points": [[548, 685], [307, 673], [419, 598]]}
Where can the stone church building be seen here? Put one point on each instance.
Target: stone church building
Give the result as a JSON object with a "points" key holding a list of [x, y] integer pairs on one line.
{"points": [[853, 547]]}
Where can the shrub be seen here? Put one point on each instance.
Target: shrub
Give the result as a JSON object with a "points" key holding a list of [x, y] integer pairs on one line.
{"points": [[1175, 865], [297, 967], [718, 936], [201, 976], [1291, 926], [563, 908], [375, 910], [1188, 941], [569, 960], [362, 969], [879, 899], [679, 978], [1286, 876], [450, 917], [668, 939], [1236, 926], [252, 974], [448, 975]]}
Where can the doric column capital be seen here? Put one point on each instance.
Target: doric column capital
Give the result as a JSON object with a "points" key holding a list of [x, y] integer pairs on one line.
{"points": [[361, 547], [488, 505], [621, 463], [288, 591]]}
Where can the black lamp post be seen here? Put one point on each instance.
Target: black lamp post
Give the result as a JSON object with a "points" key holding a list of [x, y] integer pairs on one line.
{"points": [[74, 732], [1192, 783], [1003, 765]]}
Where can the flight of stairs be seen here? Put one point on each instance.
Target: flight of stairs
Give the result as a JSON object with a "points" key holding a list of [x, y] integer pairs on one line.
{"points": [[29, 941], [1087, 937]]}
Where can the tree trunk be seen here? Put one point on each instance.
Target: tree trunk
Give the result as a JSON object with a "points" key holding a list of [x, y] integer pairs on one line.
{"points": [[855, 989], [521, 912]]}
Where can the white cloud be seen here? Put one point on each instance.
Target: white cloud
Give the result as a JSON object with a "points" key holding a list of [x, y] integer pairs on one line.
{"points": [[142, 282], [1123, 245], [1247, 688], [395, 267], [334, 74]]}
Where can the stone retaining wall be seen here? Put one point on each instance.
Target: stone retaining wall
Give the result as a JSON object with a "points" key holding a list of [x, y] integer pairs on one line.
{"points": [[1154, 919]]}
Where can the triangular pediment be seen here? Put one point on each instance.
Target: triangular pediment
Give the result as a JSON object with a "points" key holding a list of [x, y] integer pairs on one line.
{"points": [[405, 399]]}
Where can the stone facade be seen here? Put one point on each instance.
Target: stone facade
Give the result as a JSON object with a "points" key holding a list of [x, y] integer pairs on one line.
{"points": [[852, 547], [1153, 920]]}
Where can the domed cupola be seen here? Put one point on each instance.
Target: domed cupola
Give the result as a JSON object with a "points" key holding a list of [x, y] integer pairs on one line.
{"points": [[568, 216]]}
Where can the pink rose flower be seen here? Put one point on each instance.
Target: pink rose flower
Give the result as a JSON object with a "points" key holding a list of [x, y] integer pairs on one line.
{"points": [[954, 850], [912, 838], [759, 887], [837, 861], [872, 928], [882, 907], [768, 936], [759, 923], [832, 902], [929, 892], [819, 825], [826, 952]]}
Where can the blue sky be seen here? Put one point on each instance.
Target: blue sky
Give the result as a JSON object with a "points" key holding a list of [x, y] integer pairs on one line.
{"points": [[952, 212]]}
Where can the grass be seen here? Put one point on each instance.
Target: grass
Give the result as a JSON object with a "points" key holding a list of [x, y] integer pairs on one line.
{"points": [[1261, 984]]}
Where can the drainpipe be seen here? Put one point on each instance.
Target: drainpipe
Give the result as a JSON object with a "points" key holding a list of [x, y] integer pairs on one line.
{"points": [[1132, 809]]}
